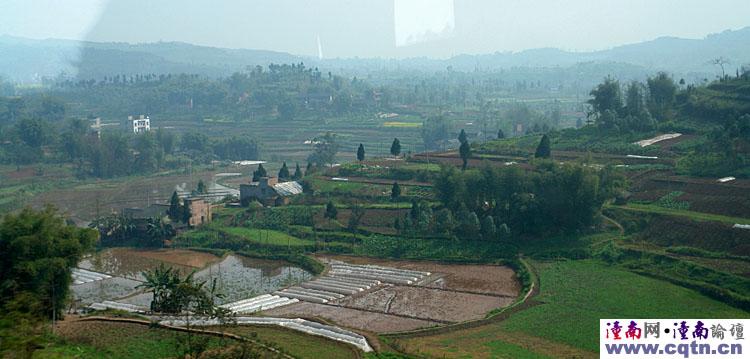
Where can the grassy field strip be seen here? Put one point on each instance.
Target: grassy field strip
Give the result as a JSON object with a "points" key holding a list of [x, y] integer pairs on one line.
{"points": [[266, 236], [698, 216]]}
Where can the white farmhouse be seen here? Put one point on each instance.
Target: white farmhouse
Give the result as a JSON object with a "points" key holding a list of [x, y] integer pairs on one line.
{"points": [[141, 124]]}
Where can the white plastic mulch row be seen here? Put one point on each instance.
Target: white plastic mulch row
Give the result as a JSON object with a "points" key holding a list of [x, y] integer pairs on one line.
{"points": [[651, 141], [298, 324], [259, 303], [309, 294], [81, 276], [741, 226], [643, 157], [384, 274], [107, 304]]}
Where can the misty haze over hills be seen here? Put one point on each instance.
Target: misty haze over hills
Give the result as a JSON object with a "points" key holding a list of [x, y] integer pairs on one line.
{"points": [[26, 60]]}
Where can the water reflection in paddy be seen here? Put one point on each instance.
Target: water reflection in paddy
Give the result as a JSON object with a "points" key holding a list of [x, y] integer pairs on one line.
{"points": [[237, 277], [240, 277]]}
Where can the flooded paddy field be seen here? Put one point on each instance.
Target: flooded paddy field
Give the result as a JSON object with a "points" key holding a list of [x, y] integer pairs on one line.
{"points": [[237, 277], [131, 262]]}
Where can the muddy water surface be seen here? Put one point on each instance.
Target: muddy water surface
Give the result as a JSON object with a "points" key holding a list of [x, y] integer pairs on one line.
{"points": [[237, 277]]}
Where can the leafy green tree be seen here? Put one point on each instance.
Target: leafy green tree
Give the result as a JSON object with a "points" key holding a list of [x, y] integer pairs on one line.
{"points": [[465, 152], [158, 231], [444, 222], [395, 191], [113, 229], [543, 150], [175, 210], [194, 141], [468, 224], [237, 149], [166, 140], [638, 117], [38, 252], [606, 96], [361, 153], [287, 110], [358, 212], [424, 217], [297, 173], [396, 147], [503, 231], [634, 101], [284, 172], [325, 150], [435, 131], [31, 131], [14, 109], [331, 211], [415, 210], [662, 91], [150, 156], [489, 231]]}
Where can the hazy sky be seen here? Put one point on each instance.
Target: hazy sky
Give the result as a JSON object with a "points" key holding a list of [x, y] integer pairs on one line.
{"points": [[369, 28]]}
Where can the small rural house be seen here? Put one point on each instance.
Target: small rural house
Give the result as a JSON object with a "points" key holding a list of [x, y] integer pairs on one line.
{"points": [[141, 124], [200, 211], [269, 191]]}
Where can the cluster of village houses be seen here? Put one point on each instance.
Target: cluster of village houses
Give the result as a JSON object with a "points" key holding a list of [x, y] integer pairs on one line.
{"points": [[269, 191]]}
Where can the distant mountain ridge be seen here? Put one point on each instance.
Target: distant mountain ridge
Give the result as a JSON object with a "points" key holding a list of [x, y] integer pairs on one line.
{"points": [[27, 60]]}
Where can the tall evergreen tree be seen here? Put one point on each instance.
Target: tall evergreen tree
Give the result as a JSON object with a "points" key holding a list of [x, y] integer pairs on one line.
{"points": [[297, 172], [462, 136], [201, 187], [361, 153], [174, 212], [260, 172], [396, 147], [186, 212], [331, 211], [465, 152], [543, 150], [284, 172], [395, 191]]}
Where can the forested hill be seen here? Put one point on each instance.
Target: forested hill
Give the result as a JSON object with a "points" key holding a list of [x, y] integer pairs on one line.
{"points": [[26, 60]]}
